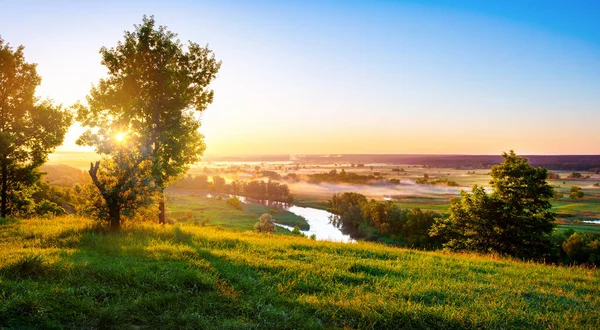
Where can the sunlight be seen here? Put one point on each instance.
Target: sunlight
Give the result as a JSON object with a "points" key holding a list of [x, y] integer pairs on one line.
{"points": [[120, 137]]}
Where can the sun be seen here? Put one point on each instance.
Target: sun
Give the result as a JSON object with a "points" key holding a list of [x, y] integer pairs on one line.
{"points": [[120, 137]]}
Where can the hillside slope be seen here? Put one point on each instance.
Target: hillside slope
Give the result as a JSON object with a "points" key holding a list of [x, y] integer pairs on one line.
{"points": [[62, 273]]}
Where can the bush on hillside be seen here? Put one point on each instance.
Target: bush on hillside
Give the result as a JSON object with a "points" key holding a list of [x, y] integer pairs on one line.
{"points": [[235, 203], [265, 224]]}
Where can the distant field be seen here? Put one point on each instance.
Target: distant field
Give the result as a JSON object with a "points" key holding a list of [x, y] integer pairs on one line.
{"points": [[579, 227], [61, 273], [80, 160]]}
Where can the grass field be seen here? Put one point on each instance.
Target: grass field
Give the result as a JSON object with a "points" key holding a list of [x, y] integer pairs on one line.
{"points": [[60, 273], [578, 227], [195, 207]]}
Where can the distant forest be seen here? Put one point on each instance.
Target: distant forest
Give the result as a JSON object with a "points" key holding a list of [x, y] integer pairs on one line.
{"points": [[551, 162]]}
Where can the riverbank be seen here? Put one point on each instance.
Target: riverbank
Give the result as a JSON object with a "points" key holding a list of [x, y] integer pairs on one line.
{"points": [[194, 207], [60, 273]]}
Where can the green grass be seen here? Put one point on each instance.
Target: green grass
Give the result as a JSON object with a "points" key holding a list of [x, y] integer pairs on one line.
{"points": [[579, 227], [190, 206], [61, 273]]}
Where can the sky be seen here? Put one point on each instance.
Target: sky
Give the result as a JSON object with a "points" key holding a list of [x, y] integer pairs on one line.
{"points": [[323, 77]]}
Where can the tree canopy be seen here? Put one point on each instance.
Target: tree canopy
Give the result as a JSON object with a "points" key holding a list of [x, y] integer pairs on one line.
{"points": [[151, 99], [514, 219], [30, 129]]}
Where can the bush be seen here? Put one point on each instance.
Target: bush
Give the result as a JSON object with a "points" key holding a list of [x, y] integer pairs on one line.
{"points": [[235, 203], [265, 224], [583, 248], [576, 192], [47, 208], [297, 232]]}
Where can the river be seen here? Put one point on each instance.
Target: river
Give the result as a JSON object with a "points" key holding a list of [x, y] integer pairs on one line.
{"points": [[318, 220]]}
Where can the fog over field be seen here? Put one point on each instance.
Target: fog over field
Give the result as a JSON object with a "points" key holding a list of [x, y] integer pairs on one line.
{"points": [[405, 189]]}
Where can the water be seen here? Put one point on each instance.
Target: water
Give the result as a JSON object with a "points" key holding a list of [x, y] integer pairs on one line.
{"points": [[318, 220], [592, 221], [320, 224]]}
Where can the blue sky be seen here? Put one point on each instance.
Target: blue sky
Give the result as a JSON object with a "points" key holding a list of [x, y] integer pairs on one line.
{"points": [[355, 76]]}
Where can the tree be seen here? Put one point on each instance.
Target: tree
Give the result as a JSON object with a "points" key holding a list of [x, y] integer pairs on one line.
{"points": [[515, 219], [153, 94], [576, 192], [121, 185], [265, 224], [30, 129]]}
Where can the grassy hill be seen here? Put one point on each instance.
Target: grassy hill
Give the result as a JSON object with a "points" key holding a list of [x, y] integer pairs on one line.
{"points": [[63, 273]]}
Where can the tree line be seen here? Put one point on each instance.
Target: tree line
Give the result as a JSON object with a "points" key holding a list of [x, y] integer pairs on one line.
{"points": [[357, 215], [256, 189]]}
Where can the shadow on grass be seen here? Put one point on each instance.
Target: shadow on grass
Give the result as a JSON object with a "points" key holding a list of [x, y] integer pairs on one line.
{"points": [[174, 279]]}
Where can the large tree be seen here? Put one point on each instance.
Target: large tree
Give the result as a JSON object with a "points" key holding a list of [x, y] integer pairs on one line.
{"points": [[30, 129], [153, 95], [514, 219]]}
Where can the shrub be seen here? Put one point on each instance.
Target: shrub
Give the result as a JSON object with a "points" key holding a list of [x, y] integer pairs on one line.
{"points": [[47, 208], [265, 224], [235, 203], [583, 248], [297, 231], [576, 192]]}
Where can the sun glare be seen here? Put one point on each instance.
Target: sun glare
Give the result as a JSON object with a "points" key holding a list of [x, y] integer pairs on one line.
{"points": [[120, 137]]}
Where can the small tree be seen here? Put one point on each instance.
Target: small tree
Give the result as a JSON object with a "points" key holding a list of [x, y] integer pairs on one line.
{"points": [[265, 224], [576, 192], [121, 185], [30, 129], [235, 203], [515, 219]]}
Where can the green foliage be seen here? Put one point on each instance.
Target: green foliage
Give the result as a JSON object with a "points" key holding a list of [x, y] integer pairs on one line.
{"points": [[515, 219], [265, 224], [154, 89], [270, 190], [342, 177], [576, 192], [30, 129], [357, 215], [47, 208], [575, 175], [121, 189], [297, 232], [553, 176], [583, 248], [235, 203]]}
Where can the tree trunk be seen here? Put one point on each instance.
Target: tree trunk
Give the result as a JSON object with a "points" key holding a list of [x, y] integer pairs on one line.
{"points": [[161, 205], [161, 215], [4, 192], [115, 218], [114, 212]]}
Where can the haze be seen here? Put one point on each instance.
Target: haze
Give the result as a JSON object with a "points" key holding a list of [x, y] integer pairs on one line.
{"points": [[354, 77]]}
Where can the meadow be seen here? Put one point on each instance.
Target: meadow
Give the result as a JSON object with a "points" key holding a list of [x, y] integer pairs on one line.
{"points": [[64, 273], [195, 207]]}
